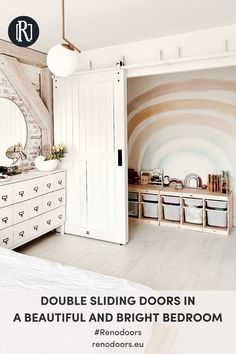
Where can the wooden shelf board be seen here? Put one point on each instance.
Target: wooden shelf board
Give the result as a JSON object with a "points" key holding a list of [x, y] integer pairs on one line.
{"points": [[185, 192], [192, 226], [217, 230], [145, 220], [175, 224], [144, 188], [155, 220]]}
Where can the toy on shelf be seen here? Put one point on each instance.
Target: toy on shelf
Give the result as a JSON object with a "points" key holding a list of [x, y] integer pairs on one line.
{"points": [[155, 176], [144, 178], [132, 176], [216, 183], [225, 182], [193, 180], [219, 183]]}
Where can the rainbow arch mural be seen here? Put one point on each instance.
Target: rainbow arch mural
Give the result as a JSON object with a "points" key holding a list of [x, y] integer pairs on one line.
{"points": [[183, 123]]}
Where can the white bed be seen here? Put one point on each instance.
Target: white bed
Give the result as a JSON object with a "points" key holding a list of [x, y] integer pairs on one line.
{"points": [[24, 279], [18, 270]]}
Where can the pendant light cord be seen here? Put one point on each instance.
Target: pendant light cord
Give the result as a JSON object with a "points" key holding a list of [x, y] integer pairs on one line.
{"points": [[69, 44]]}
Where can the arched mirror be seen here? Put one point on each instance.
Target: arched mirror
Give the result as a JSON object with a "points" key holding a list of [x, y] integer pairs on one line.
{"points": [[13, 128]]}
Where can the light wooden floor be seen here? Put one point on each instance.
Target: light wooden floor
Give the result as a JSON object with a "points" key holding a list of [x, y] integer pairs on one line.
{"points": [[162, 258]]}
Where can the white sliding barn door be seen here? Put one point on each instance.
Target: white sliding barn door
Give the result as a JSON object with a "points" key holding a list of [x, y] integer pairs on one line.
{"points": [[90, 117]]}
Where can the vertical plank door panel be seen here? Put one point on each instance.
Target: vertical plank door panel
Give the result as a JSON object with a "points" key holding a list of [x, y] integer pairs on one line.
{"points": [[90, 117]]}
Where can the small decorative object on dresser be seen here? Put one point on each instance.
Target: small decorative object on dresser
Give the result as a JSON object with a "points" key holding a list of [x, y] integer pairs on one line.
{"points": [[51, 161], [45, 165], [31, 205]]}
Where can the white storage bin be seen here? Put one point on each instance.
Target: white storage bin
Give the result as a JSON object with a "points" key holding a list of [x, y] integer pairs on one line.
{"points": [[218, 204], [171, 212], [171, 200], [216, 218], [150, 210], [133, 196], [193, 215], [150, 197], [133, 209], [193, 202]]}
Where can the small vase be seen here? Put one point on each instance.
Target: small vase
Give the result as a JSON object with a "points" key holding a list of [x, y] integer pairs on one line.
{"points": [[45, 166]]}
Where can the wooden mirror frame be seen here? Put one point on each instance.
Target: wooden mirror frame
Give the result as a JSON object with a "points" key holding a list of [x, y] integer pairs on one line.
{"points": [[39, 107]]}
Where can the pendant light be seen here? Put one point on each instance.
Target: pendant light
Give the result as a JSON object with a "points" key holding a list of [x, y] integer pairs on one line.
{"points": [[62, 59]]}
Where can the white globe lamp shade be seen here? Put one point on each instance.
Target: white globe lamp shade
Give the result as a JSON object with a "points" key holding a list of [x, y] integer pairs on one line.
{"points": [[62, 61]]}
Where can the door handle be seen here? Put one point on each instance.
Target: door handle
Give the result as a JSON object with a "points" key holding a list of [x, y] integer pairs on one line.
{"points": [[22, 233], [5, 220], [120, 157], [36, 189], [4, 197], [36, 208], [21, 213], [21, 193]]}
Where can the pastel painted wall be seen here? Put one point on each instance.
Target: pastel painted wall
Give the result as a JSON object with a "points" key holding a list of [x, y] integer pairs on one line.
{"points": [[183, 122]]}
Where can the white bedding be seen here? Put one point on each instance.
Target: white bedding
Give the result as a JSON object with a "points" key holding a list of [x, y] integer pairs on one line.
{"points": [[21, 271], [23, 279]]}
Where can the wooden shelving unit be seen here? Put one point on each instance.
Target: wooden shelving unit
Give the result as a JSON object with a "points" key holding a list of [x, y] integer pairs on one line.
{"points": [[199, 194]]}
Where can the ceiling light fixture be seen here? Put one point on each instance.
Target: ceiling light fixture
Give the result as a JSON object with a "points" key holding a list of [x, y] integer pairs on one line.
{"points": [[62, 59]]}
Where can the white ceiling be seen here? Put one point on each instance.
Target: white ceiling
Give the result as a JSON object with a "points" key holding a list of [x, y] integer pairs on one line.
{"points": [[100, 23]]}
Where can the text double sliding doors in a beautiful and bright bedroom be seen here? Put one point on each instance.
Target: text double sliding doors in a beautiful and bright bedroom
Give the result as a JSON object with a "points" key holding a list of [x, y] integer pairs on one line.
{"points": [[90, 117]]}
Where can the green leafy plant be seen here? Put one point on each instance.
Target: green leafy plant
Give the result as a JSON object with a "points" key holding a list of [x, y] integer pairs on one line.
{"points": [[57, 152]]}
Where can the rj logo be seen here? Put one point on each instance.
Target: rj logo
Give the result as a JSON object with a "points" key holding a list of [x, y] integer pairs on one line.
{"points": [[23, 31]]}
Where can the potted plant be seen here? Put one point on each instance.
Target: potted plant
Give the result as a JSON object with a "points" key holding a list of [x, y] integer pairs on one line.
{"points": [[52, 160]]}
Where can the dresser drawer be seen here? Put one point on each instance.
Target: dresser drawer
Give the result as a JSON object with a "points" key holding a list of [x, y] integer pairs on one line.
{"points": [[6, 195], [48, 202], [21, 233], [6, 217], [59, 180], [21, 212], [48, 221], [48, 184], [21, 191], [59, 198], [6, 238], [35, 187], [35, 207], [59, 216], [35, 227]]}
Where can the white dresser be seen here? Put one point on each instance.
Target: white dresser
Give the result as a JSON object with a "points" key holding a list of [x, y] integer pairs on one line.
{"points": [[31, 205]]}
